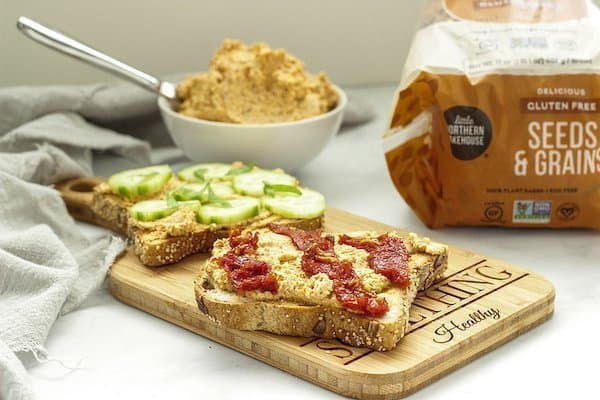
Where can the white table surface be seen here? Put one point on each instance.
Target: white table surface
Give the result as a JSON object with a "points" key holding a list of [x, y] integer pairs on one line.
{"points": [[123, 352]]}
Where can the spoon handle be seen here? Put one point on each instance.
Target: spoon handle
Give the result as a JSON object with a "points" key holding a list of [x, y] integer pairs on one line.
{"points": [[69, 46]]}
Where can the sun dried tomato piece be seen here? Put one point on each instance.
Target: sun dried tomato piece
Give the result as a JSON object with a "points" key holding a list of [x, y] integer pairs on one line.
{"points": [[244, 270], [387, 256]]}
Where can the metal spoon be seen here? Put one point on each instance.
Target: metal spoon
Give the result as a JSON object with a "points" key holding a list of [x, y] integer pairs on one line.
{"points": [[71, 47]]}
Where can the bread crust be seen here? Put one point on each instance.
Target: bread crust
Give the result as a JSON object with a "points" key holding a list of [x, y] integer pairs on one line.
{"points": [[288, 318], [112, 209]]}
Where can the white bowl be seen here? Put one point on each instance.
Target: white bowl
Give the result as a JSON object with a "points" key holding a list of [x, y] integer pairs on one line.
{"points": [[287, 145]]}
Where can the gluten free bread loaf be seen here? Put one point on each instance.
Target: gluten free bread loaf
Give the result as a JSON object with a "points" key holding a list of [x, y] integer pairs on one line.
{"points": [[500, 125], [309, 305]]}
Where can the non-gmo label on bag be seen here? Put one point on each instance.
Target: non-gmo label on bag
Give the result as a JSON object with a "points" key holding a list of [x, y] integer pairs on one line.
{"points": [[532, 211]]}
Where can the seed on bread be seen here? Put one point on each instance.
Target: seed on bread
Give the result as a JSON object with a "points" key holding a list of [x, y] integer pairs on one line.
{"points": [[319, 327]]}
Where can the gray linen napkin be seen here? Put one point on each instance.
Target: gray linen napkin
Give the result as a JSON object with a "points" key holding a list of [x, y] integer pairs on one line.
{"points": [[47, 267]]}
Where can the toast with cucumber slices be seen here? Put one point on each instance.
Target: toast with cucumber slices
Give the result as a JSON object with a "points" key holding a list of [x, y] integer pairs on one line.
{"points": [[169, 216], [356, 287]]}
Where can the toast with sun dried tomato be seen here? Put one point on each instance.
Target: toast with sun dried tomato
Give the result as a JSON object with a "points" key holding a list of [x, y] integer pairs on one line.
{"points": [[356, 287]]}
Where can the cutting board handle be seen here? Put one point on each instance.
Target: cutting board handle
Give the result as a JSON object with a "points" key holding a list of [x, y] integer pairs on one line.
{"points": [[78, 195]]}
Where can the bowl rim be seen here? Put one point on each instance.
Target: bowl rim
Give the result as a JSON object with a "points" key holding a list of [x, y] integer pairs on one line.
{"points": [[164, 105]]}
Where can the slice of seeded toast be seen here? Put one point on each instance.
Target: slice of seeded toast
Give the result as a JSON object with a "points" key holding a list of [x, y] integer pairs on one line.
{"points": [[168, 240], [306, 306]]}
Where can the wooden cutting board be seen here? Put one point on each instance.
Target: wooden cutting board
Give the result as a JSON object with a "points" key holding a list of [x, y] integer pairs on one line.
{"points": [[480, 304]]}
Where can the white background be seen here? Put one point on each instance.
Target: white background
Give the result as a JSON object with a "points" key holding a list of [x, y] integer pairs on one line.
{"points": [[355, 42]]}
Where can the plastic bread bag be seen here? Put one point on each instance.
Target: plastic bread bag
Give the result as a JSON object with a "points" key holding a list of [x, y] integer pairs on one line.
{"points": [[497, 117]]}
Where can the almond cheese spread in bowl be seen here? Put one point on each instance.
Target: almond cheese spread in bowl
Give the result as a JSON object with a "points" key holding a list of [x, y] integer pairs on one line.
{"points": [[255, 104]]}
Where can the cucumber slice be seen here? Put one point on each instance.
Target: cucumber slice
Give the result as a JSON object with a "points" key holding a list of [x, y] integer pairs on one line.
{"points": [[223, 190], [199, 191], [252, 183], [244, 169], [151, 210], [309, 204], [242, 208], [204, 172], [140, 181], [190, 191]]}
